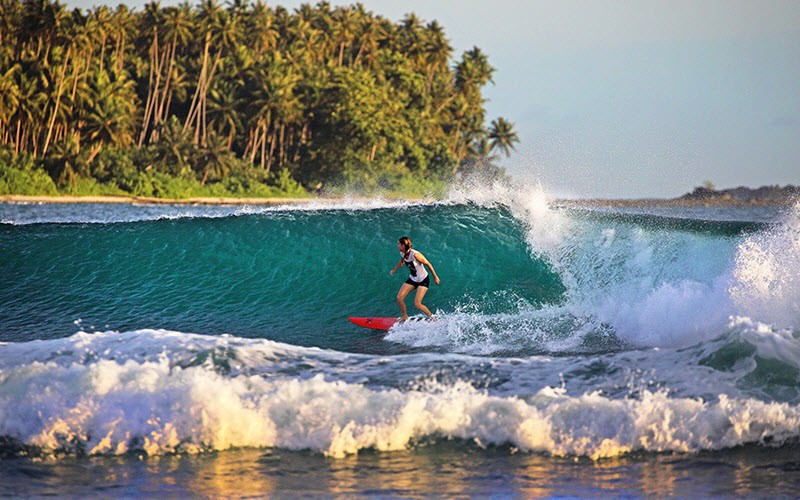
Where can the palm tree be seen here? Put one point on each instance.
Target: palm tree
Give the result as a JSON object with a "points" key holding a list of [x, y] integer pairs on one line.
{"points": [[152, 23], [276, 104], [178, 30], [101, 24], [53, 26], [9, 101], [409, 35], [343, 30], [64, 162], [215, 158], [174, 147], [11, 18], [474, 70], [502, 136], [109, 118], [371, 35], [123, 23], [263, 36], [220, 33], [22, 120], [437, 50], [223, 105]]}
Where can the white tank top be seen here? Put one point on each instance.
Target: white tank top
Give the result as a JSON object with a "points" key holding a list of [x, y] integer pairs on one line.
{"points": [[416, 269]]}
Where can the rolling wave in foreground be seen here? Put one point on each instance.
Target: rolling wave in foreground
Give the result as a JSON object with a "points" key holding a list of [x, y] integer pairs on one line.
{"points": [[562, 331]]}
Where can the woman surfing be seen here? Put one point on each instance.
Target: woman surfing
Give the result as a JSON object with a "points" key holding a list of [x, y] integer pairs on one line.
{"points": [[418, 277]]}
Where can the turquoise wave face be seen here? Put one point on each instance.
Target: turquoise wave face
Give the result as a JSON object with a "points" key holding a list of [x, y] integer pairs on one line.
{"points": [[291, 276], [517, 278]]}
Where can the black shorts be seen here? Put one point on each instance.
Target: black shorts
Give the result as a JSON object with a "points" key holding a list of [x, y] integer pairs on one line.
{"points": [[426, 282]]}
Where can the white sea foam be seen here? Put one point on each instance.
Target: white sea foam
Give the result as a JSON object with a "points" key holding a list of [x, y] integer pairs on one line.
{"points": [[112, 408], [111, 393], [766, 277], [652, 287]]}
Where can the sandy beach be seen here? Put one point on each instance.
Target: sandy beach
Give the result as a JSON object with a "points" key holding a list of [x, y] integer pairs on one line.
{"points": [[16, 198]]}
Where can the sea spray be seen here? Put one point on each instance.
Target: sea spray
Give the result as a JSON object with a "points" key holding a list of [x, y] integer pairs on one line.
{"points": [[635, 279], [766, 278]]}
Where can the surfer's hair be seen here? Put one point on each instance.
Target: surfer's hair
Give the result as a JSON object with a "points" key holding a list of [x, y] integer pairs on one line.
{"points": [[406, 242]]}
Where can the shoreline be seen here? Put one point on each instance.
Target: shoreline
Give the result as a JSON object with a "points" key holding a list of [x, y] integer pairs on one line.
{"points": [[571, 203], [143, 200]]}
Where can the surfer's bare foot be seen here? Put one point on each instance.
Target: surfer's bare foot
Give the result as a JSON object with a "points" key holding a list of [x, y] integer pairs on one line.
{"points": [[403, 319]]}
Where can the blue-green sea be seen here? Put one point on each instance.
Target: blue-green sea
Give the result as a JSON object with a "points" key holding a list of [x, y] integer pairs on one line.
{"points": [[152, 350]]}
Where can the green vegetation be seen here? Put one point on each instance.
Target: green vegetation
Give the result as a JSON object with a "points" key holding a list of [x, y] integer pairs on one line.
{"points": [[241, 100]]}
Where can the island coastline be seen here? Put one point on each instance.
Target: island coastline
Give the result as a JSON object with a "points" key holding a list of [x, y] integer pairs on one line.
{"points": [[143, 200], [683, 201]]}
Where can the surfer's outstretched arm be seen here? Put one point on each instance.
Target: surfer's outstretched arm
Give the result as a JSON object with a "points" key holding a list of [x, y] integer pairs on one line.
{"points": [[398, 266]]}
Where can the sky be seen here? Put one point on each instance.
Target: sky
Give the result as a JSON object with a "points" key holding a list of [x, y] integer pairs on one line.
{"points": [[630, 98]]}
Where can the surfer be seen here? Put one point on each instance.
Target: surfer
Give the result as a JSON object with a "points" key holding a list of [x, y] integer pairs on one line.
{"points": [[418, 279]]}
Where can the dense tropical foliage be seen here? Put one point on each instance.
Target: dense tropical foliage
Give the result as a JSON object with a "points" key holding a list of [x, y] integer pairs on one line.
{"points": [[240, 99]]}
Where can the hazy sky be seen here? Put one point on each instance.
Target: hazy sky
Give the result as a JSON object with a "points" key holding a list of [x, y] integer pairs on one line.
{"points": [[638, 98]]}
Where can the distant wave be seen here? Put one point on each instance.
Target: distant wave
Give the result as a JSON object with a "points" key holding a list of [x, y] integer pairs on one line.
{"points": [[99, 213]]}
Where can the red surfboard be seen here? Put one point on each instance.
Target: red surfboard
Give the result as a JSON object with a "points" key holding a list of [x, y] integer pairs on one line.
{"points": [[374, 323], [383, 323]]}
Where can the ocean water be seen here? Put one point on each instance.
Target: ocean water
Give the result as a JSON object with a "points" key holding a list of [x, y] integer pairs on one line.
{"points": [[180, 350]]}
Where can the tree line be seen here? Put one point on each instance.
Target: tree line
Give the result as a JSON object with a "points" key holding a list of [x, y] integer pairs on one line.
{"points": [[240, 95]]}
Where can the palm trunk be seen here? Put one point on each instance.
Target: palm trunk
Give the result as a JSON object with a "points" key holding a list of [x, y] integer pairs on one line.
{"points": [[203, 69], [455, 145], [153, 59], [19, 136], [58, 100], [204, 101], [264, 164], [252, 143], [446, 102], [162, 111], [430, 76], [282, 150], [273, 141], [103, 53], [358, 56], [117, 50], [95, 150]]}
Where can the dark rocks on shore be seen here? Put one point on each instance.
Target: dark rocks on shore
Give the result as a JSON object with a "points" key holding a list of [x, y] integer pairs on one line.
{"points": [[702, 196], [744, 195]]}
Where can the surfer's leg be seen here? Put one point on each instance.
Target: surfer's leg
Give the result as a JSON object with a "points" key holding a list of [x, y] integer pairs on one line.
{"points": [[421, 291], [401, 300]]}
